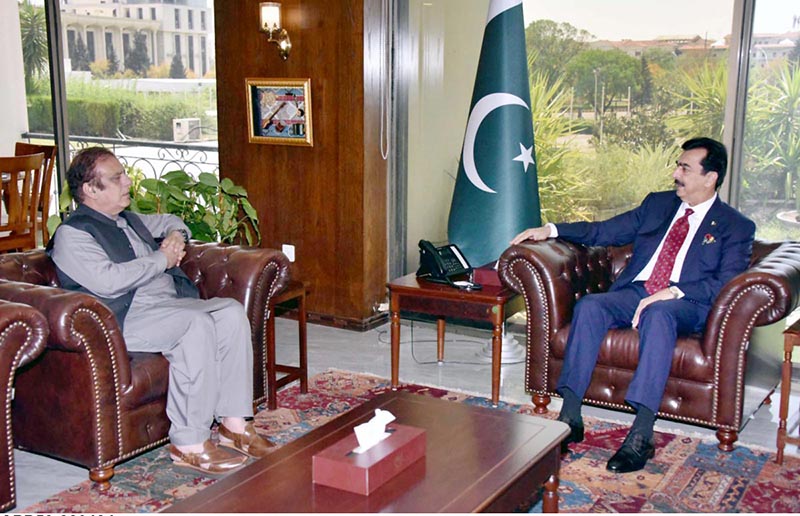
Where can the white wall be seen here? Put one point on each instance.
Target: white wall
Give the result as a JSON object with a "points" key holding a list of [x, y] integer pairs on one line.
{"points": [[448, 36], [12, 83]]}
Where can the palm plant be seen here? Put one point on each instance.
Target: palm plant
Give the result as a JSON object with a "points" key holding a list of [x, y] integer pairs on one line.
{"points": [[774, 130], [703, 91], [33, 29], [559, 182]]}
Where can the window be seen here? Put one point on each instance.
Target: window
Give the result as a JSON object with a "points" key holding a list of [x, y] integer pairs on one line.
{"points": [[71, 43], [202, 20], [127, 12], [96, 113], [602, 141], [177, 44], [190, 19], [769, 186], [90, 45], [203, 56], [152, 13], [177, 19], [191, 52], [140, 13]]}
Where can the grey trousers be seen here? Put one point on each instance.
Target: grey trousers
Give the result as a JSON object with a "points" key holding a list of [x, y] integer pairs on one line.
{"points": [[210, 354]]}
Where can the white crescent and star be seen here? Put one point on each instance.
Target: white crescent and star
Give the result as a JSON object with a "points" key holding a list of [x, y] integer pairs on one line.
{"points": [[481, 110]]}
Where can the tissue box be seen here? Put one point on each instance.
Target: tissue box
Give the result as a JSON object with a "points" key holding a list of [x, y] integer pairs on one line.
{"points": [[336, 466]]}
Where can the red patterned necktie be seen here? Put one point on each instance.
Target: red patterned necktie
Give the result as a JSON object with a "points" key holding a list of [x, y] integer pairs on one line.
{"points": [[659, 279]]}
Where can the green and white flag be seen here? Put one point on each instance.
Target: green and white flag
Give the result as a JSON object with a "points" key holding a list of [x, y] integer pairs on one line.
{"points": [[496, 194]]}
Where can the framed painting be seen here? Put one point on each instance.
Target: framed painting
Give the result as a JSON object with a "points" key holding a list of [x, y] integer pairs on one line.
{"points": [[279, 111]]}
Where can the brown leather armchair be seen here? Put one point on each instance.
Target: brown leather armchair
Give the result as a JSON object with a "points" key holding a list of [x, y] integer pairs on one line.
{"points": [[87, 400], [23, 334], [710, 372]]}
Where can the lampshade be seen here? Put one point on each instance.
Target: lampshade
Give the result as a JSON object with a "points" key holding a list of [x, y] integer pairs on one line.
{"points": [[270, 15]]}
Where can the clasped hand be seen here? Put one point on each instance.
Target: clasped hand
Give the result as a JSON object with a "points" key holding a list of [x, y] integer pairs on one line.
{"points": [[173, 248]]}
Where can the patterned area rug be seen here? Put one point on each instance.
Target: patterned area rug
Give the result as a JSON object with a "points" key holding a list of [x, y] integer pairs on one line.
{"points": [[687, 475]]}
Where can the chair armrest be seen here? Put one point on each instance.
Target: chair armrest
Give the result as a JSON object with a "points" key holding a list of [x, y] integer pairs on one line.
{"points": [[763, 294], [251, 275], [17, 348], [239, 272], [78, 323], [552, 275]]}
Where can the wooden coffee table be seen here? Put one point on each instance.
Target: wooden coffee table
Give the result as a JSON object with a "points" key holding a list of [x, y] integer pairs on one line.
{"points": [[412, 294], [477, 459]]}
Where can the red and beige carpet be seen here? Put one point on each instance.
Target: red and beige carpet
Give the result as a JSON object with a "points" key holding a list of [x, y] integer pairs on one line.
{"points": [[688, 474]]}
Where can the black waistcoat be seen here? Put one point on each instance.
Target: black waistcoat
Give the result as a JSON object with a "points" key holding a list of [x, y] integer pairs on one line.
{"points": [[116, 244]]}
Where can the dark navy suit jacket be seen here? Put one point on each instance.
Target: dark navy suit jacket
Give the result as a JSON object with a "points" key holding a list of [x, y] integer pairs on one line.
{"points": [[720, 250]]}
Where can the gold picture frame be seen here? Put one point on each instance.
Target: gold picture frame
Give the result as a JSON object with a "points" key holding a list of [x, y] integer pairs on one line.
{"points": [[279, 111]]}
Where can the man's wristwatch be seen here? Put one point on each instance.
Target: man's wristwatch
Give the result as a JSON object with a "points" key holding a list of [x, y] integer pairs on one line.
{"points": [[184, 233], [676, 292]]}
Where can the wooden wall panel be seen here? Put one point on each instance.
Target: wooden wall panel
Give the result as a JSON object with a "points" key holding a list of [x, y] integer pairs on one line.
{"points": [[328, 200]]}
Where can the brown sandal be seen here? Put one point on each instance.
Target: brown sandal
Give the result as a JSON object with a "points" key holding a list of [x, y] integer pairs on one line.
{"points": [[212, 460], [248, 442]]}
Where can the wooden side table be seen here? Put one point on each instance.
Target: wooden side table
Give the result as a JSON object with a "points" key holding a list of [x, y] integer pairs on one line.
{"points": [[791, 338], [295, 290], [412, 294]]}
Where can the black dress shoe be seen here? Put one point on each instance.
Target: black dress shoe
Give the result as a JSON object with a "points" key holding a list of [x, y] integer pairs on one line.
{"points": [[632, 455], [575, 434]]}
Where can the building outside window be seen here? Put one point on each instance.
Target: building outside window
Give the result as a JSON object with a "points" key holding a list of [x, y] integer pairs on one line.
{"points": [[190, 19], [152, 13], [177, 18]]}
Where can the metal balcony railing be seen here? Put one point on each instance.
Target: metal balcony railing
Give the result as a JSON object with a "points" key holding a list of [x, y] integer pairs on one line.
{"points": [[153, 158]]}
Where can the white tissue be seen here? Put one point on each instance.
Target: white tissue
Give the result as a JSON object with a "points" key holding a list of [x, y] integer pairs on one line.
{"points": [[373, 431]]}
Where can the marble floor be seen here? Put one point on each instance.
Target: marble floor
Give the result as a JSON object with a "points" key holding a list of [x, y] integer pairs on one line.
{"points": [[466, 368]]}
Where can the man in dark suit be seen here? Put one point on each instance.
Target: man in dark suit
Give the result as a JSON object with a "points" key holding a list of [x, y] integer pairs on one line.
{"points": [[687, 244]]}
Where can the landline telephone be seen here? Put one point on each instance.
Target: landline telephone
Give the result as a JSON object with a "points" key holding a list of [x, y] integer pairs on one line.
{"points": [[442, 264]]}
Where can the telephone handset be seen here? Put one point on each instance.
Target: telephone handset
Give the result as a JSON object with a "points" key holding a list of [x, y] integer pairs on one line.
{"points": [[441, 264]]}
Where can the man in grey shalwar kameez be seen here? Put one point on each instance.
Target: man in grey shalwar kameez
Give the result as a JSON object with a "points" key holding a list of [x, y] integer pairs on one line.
{"points": [[112, 254]]}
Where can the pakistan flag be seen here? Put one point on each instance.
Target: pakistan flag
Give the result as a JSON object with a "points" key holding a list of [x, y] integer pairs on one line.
{"points": [[496, 194]]}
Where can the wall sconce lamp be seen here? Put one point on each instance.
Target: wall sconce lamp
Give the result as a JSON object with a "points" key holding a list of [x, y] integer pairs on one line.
{"points": [[271, 26]]}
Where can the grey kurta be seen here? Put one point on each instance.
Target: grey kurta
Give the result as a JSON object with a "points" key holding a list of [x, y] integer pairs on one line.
{"points": [[207, 342]]}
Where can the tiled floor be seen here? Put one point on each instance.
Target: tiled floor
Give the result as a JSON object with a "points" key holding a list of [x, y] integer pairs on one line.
{"points": [[465, 369]]}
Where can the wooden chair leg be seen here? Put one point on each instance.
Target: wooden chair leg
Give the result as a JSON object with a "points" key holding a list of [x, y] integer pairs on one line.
{"points": [[102, 477], [726, 439], [540, 401]]}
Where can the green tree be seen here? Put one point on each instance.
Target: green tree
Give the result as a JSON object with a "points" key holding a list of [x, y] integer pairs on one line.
{"points": [[34, 43], [137, 59], [553, 45], [613, 70], [80, 57], [646, 94], [176, 69], [113, 60]]}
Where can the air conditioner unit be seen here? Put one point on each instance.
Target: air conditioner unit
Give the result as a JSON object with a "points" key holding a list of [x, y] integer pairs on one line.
{"points": [[186, 129]]}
